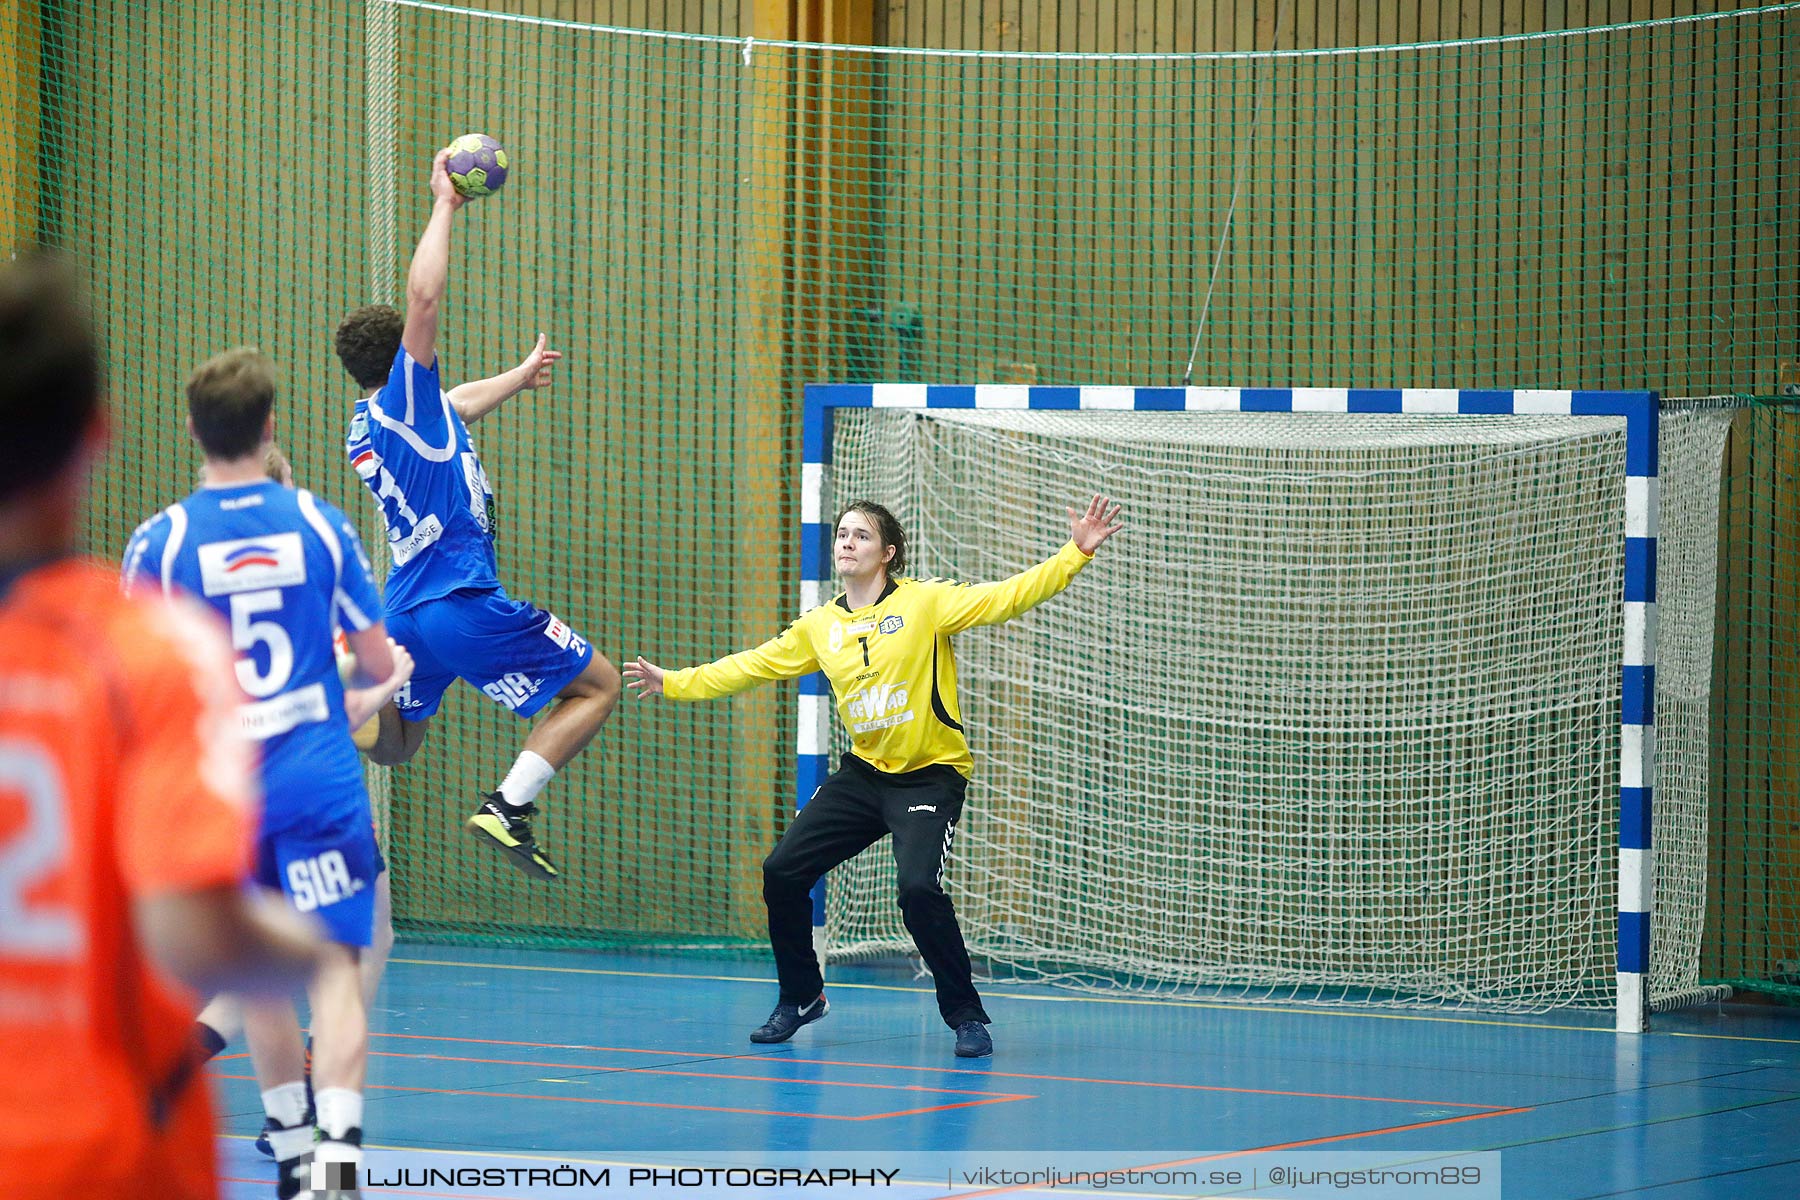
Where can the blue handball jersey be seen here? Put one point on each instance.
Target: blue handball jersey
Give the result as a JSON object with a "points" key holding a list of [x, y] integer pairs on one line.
{"points": [[413, 450], [284, 569]]}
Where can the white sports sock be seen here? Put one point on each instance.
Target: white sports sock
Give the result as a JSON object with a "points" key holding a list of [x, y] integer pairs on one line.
{"points": [[527, 778], [340, 1111], [286, 1103], [288, 1144]]}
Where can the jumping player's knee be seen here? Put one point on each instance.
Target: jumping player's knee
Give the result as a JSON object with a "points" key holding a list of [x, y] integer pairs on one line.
{"points": [[397, 740], [609, 682], [599, 681]]}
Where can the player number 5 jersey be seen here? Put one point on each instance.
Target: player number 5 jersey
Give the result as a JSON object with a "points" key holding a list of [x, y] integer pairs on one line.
{"points": [[285, 570]]}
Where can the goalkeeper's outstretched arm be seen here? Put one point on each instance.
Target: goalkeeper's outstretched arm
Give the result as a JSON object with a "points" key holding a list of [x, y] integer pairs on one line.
{"points": [[964, 606], [782, 657]]}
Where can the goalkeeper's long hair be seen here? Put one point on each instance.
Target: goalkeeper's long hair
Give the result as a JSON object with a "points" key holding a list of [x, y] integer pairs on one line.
{"points": [[887, 528]]}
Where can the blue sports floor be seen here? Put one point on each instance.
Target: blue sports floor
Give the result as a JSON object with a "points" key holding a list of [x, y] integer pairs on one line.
{"points": [[498, 1058]]}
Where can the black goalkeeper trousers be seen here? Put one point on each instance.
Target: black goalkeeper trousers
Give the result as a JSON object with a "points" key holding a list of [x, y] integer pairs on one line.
{"points": [[850, 812]]}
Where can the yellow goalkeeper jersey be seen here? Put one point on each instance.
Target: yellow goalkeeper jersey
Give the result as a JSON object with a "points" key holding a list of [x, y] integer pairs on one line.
{"points": [[889, 663]]}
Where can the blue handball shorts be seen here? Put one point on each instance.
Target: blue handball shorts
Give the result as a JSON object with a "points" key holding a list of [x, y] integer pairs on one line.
{"points": [[328, 870], [516, 654]]}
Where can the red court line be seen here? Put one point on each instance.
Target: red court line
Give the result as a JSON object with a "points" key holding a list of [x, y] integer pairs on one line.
{"points": [[749, 1112], [883, 1087], [1300, 1145], [833, 1062]]}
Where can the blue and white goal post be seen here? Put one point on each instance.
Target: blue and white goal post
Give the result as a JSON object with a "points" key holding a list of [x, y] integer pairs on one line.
{"points": [[1639, 530]]}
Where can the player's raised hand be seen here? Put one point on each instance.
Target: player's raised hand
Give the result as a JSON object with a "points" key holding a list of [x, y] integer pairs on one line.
{"points": [[442, 190], [535, 370], [644, 678], [1099, 522]]}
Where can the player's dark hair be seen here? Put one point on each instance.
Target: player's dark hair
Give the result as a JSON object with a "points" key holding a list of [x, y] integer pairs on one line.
{"points": [[887, 528], [229, 400], [367, 341], [50, 388]]}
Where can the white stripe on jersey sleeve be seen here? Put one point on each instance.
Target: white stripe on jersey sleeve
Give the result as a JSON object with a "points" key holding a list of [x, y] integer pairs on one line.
{"points": [[178, 524]]}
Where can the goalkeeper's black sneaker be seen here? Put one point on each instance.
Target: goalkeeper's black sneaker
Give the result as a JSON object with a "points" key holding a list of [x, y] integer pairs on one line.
{"points": [[973, 1041], [508, 828], [787, 1018]]}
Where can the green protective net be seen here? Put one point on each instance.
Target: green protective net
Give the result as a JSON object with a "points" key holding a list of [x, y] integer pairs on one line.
{"points": [[705, 223], [1753, 861]]}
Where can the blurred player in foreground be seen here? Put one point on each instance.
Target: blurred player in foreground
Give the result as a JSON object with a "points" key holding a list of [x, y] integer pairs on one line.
{"points": [[127, 800], [409, 441], [885, 645], [286, 569]]}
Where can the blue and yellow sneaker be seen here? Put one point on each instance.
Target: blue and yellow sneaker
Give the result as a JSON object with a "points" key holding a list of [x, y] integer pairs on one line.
{"points": [[508, 829]]}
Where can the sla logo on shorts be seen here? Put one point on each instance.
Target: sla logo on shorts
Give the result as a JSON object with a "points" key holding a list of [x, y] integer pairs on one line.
{"points": [[512, 689], [892, 624], [320, 880]]}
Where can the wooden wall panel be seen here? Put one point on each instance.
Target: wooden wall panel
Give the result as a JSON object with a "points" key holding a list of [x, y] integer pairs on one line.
{"points": [[21, 143], [1190, 26], [726, 18], [1573, 218]]}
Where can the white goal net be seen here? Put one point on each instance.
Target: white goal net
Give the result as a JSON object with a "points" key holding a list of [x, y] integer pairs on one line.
{"points": [[1336, 718]]}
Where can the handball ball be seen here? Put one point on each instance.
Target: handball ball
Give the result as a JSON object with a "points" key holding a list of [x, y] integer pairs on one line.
{"points": [[477, 165]]}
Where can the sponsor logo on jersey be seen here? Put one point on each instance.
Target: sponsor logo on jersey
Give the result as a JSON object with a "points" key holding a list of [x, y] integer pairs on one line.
{"points": [[237, 502], [512, 689], [424, 534], [359, 427], [252, 564], [263, 719], [878, 706], [322, 880], [481, 495], [836, 638], [366, 463], [892, 623]]}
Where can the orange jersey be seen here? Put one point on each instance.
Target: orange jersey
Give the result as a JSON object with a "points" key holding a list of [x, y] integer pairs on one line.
{"points": [[122, 775]]}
